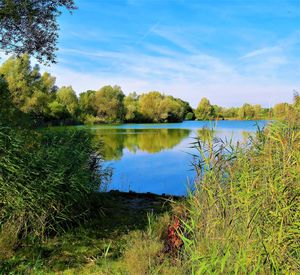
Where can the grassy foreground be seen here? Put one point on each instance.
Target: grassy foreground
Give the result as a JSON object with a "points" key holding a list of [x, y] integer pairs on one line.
{"points": [[242, 218], [97, 245]]}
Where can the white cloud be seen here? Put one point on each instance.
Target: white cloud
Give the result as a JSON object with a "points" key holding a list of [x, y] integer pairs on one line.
{"points": [[223, 92], [262, 51]]}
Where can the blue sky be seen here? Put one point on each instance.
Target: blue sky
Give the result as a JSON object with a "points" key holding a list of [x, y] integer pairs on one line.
{"points": [[231, 51]]}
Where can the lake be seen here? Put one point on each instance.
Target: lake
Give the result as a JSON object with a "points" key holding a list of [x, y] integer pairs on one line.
{"points": [[156, 157]]}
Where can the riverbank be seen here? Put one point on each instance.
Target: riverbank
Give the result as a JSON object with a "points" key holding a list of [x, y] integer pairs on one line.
{"points": [[98, 243]]}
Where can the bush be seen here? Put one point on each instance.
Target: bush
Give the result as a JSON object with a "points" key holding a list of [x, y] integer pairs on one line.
{"points": [[190, 116], [45, 181]]}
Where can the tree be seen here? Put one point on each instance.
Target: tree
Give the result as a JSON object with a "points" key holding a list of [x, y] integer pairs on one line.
{"points": [[109, 104], [296, 100], [30, 26], [187, 111], [282, 110], [218, 112], [258, 111], [205, 110], [246, 112], [87, 103], [131, 104], [170, 110], [30, 91], [58, 110], [67, 97], [149, 106], [231, 112], [156, 107]]}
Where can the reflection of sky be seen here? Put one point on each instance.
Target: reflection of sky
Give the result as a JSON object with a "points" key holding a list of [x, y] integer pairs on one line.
{"points": [[229, 125], [168, 171]]}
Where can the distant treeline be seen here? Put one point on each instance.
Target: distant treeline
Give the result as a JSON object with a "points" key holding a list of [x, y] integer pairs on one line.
{"points": [[36, 95]]}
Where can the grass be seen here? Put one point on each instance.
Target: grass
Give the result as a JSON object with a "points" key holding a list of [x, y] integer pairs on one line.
{"points": [[241, 218], [45, 183], [97, 245]]}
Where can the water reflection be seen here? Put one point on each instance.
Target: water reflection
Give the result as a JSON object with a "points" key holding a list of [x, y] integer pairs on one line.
{"points": [[158, 157], [146, 140]]}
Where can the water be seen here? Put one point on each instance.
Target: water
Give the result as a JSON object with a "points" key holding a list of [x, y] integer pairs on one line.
{"points": [[156, 157]]}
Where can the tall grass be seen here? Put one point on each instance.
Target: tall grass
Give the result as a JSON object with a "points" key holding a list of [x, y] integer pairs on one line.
{"points": [[244, 216], [45, 182]]}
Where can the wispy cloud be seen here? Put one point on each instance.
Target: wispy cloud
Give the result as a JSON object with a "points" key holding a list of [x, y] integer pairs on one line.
{"points": [[262, 51], [229, 51]]}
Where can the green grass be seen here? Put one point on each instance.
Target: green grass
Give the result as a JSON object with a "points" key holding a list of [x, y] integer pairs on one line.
{"points": [[242, 218], [45, 183], [96, 245]]}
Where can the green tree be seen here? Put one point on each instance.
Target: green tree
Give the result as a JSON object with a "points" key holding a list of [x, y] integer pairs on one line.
{"points": [[87, 103], [150, 106], [231, 112], [67, 97], [218, 112], [131, 104], [30, 26], [296, 101], [205, 110], [246, 111], [30, 91], [170, 110], [258, 111], [109, 104], [58, 110], [9, 114], [282, 110]]}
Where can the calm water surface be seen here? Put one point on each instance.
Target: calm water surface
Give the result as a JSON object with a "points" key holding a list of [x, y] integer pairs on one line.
{"points": [[155, 157]]}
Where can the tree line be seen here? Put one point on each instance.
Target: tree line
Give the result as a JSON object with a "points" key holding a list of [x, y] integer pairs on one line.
{"points": [[37, 96]]}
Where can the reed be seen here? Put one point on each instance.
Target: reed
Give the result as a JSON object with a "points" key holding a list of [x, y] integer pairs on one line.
{"points": [[243, 216], [46, 179]]}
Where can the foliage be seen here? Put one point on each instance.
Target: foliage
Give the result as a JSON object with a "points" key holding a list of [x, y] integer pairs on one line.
{"points": [[7, 110], [156, 107], [243, 216], [96, 246], [45, 181], [87, 103], [131, 105], [66, 96], [30, 91], [37, 96], [190, 116], [205, 110], [30, 26], [109, 104]]}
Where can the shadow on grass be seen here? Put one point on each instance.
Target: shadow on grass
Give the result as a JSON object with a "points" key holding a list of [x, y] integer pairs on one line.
{"points": [[99, 241]]}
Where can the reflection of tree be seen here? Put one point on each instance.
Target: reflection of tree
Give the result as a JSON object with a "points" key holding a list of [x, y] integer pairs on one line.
{"points": [[148, 140]]}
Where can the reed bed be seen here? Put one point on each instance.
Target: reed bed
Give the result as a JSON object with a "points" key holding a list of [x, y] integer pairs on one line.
{"points": [[243, 216], [46, 179]]}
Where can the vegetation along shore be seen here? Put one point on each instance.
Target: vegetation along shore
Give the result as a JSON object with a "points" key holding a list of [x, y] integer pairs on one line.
{"points": [[241, 211], [43, 103]]}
